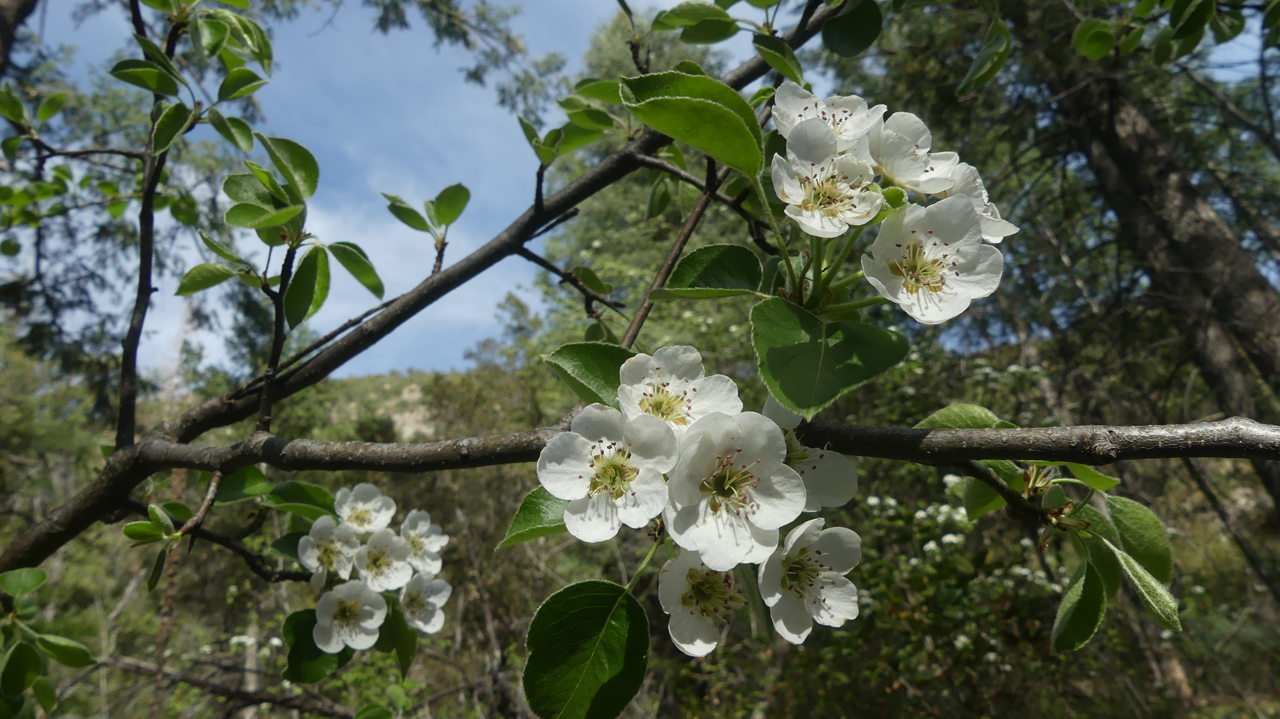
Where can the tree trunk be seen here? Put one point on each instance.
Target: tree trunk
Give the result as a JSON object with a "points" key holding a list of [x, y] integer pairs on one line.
{"points": [[12, 14]]}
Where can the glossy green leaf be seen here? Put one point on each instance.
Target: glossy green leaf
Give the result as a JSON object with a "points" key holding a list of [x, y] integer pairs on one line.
{"points": [[259, 218], [177, 511], [780, 56], [659, 198], [1081, 611], [308, 288], [591, 119], [592, 280], [1132, 40], [212, 36], [1188, 17], [233, 130], [853, 30], [202, 277], [146, 75], [295, 163], [1093, 39], [172, 123], [1226, 25], [1158, 601], [573, 137], [248, 189], [539, 515], [588, 652], [1142, 536], [157, 568], [1092, 477], [143, 532], [287, 546], [1271, 18], [406, 214], [302, 494], [10, 247], [374, 711], [450, 203], [45, 693], [590, 369], [307, 664], [396, 635], [51, 106], [153, 53], [713, 271], [18, 582], [709, 32], [11, 107], [355, 261], [602, 90], [242, 484], [22, 667], [160, 518], [220, 249], [760, 97], [701, 112], [689, 13], [808, 364], [67, 652], [1100, 557], [991, 58], [1143, 8], [239, 83], [979, 498]]}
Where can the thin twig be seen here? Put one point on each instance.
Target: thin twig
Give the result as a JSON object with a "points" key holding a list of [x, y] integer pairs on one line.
{"points": [[733, 203], [314, 704], [277, 339], [210, 495], [569, 278]]}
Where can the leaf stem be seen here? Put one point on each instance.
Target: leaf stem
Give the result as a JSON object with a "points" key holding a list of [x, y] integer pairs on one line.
{"points": [[840, 260], [817, 257], [851, 279], [783, 249], [860, 304], [648, 557]]}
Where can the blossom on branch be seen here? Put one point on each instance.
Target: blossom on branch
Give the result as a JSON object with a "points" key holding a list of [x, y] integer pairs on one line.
{"points": [[671, 386], [328, 549], [384, 561], [699, 601], [348, 616], [364, 508], [969, 184], [902, 148], [803, 582], [826, 193], [423, 600], [830, 478], [731, 490], [931, 261], [849, 117], [610, 469], [425, 541]]}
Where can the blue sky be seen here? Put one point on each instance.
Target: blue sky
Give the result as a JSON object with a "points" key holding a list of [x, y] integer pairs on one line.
{"points": [[387, 114]]}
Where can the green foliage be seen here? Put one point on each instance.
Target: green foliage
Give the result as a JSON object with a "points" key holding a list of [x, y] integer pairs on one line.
{"points": [[308, 288], [854, 30], [18, 582], [701, 112], [1080, 614], [241, 485], [307, 663], [591, 369], [713, 271], [991, 58], [539, 515]]}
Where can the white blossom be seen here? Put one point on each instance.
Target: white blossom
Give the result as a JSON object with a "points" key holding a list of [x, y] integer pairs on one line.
{"points": [[848, 116], [930, 546], [348, 616], [803, 582], [830, 478], [610, 469], [671, 386], [699, 601], [423, 600], [364, 508], [952, 539], [384, 561], [826, 193], [969, 184], [932, 262], [731, 490], [329, 548], [902, 148], [425, 541]]}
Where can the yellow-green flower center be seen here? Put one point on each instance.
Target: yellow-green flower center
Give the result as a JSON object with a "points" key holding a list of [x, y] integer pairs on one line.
{"points": [[360, 518], [378, 562], [665, 406], [797, 454], [828, 196], [799, 571], [416, 545], [347, 612], [918, 272], [613, 473], [728, 485], [414, 602], [713, 593], [328, 554]]}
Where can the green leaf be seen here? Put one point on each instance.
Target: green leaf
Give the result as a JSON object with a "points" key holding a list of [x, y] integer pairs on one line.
{"points": [[240, 82], [1143, 8], [960, 416], [1093, 39], [309, 287], [287, 546], [308, 500], [779, 56], [157, 568], [591, 119], [18, 582], [11, 107], [808, 364], [146, 75], [1142, 536], [259, 218], [51, 106], [602, 90], [374, 711], [160, 519], [202, 277], [156, 55], [590, 369], [709, 32], [659, 198], [1272, 17], [689, 67], [10, 248], [588, 652], [592, 280], [713, 271], [248, 189], [351, 257], [172, 123], [1226, 25], [979, 498], [296, 164], [1188, 17], [221, 250], [698, 111], [395, 634], [1100, 557], [177, 511], [1092, 477], [307, 664], [1081, 611], [67, 652], [1158, 601], [574, 136], [406, 214], [760, 97], [143, 532], [45, 694], [242, 484], [22, 667], [539, 515], [990, 59], [213, 36], [689, 13], [450, 203], [854, 29], [233, 130]]}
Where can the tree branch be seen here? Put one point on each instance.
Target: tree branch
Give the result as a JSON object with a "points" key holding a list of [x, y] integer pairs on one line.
{"points": [[569, 278], [1267, 138]]}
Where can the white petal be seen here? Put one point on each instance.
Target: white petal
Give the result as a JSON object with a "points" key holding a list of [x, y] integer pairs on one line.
{"points": [[760, 438], [980, 270], [911, 127], [647, 497], [838, 602], [635, 369], [791, 619], [839, 548], [765, 543], [326, 639], [415, 522], [360, 639], [803, 535], [365, 493], [597, 421], [426, 562], [438, 592], [308, 553], [564, 466], [781, 416], [693, 633], [770, 579], [816, 222], [779, 498], [785, 184], [428, 621], [830, 479], [791, 104], [724, 539], [812, 141], [383, 510], [673, 580], [953, 220], [698, 451], [318, 578], [593, 519], [936, 176], [716, 393], [679, 362], [651, 442]]}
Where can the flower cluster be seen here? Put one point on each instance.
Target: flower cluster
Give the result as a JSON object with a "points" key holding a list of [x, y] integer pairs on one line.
{"points": [[724, 481], [931, 260], [351, 613]]}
